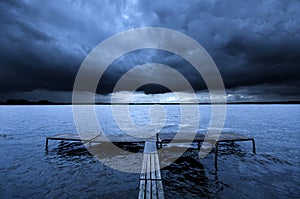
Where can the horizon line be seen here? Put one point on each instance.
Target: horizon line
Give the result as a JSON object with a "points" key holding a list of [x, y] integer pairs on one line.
{"points": [[46, 102]]}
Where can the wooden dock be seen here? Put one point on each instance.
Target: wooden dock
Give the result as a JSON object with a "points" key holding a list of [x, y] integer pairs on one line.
{"points": [[97, 138], [72, 137], [200, 138], [161, 138], [150, 178], [150, 183]]}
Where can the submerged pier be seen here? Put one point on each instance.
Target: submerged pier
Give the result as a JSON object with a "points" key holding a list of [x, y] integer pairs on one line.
{"points": [[150, 182]]}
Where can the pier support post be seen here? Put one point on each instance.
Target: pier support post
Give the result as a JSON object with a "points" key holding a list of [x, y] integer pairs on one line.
{"points": [[216, 156], [46, 148], [253, 146]]}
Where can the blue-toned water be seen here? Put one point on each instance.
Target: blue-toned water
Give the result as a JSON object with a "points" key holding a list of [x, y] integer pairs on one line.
{"points": [[69, 171]]}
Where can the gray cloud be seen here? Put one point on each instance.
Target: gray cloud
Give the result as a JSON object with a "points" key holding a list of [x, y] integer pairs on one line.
{"points": [[252, 42]]}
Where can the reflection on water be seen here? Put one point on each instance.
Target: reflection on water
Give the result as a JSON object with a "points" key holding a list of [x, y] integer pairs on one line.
{"points": [[188, 176]]}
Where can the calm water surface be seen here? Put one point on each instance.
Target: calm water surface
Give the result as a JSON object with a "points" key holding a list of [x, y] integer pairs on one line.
{"points": [[69, 171]]}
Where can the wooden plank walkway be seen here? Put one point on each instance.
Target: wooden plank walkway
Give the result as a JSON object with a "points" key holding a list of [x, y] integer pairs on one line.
{"points": [[200, 138], [150, 178], [88, 138], [97, 138]]}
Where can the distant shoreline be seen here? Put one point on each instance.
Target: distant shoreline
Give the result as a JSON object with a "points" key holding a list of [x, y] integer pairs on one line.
{"points": [[68, 103]]}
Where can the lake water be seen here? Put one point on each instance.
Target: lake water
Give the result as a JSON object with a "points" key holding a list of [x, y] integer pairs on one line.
{"points": [[69, 171]]}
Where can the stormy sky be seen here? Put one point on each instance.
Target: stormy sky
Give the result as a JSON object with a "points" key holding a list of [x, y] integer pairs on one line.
{"points": [[255, 44]]}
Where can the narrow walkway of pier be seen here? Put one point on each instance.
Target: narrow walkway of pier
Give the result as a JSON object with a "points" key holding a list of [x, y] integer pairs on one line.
{"points": [[150, 178]]}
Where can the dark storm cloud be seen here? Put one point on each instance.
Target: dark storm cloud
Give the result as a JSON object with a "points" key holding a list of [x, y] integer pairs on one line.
{"points": [[252, 42], [262, 62], [30, 58], [43, 43], [144, 56]]}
